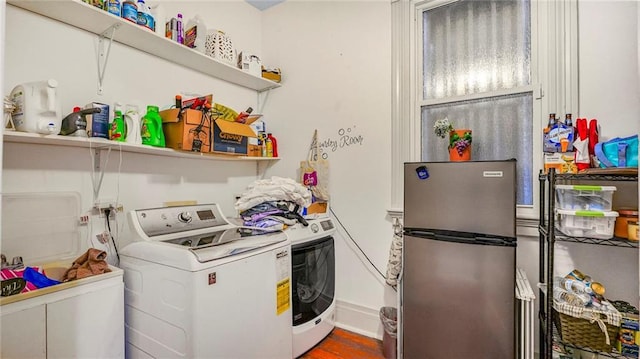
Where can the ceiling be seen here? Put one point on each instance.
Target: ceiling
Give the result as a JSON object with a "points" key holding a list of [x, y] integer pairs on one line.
{"points": [[264, 4]]}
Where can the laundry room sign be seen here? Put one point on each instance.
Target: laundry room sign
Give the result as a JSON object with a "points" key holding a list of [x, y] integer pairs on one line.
{"points": [[347, 137]]}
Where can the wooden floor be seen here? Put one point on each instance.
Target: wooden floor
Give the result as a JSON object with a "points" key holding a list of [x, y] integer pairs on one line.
{"points": [[343, 344]]}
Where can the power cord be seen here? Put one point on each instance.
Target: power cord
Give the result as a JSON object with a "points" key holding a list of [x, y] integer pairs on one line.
{"points": [[356, 243], [107, 213]]}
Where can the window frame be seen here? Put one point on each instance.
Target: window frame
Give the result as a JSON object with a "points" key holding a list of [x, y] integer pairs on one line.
{"points": [[553, 85]]}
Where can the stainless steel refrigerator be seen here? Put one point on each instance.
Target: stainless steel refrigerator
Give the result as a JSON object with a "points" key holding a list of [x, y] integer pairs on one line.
{"points": [[458, 282]]}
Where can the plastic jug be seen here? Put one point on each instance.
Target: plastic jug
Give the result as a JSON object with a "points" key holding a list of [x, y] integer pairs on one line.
{"points": [[195, 34], [38, 107], [132, 124], [118, 128], [151, 128]]}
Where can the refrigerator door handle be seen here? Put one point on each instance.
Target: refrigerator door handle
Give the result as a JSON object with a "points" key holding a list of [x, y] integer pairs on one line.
{"points": [[470, 238]]}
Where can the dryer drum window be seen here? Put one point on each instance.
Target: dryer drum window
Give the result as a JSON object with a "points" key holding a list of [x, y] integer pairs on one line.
{"points": [[313, 279]]}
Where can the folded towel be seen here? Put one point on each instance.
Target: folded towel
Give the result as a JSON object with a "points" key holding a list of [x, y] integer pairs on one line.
{"points": [[92, 262]]}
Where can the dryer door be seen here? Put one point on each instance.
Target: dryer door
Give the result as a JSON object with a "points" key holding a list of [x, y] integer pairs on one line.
{"points": [[313, 272]]}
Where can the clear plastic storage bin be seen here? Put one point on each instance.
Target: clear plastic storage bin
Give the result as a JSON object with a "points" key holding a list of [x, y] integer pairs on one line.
{"points": [[584, 197], [593, 224]]}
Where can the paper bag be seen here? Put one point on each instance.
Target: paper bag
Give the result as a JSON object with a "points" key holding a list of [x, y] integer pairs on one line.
{"points": [[314, 172]]}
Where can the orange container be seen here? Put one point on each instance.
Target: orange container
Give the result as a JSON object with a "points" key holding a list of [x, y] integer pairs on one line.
{"points": [[621, 228]]}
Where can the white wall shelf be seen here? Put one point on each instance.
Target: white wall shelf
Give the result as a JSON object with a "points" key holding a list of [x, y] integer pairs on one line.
{"points": [[97, 21], [99, 143]]}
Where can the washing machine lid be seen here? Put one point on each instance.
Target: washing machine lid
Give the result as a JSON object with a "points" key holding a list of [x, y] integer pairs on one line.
{"points": [[220, 244]]}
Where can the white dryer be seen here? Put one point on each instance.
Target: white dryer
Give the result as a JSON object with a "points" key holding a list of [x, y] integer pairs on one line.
{"points": [[197, 286], [313, 282]]}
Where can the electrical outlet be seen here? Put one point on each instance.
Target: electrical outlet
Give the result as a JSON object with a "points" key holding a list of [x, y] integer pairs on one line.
{"points": [[103, 204]]}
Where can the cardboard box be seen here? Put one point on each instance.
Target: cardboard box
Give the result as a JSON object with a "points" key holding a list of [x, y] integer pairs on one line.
{"points": [[254, 151], [629, 335], [274, 75], [563, 162], [98, 123], [558, 138], [232, 137], [183, 133]]}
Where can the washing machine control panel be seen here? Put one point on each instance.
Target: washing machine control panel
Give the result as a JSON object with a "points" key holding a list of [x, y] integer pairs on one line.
{"points": [[317, 228], [166, 220]]}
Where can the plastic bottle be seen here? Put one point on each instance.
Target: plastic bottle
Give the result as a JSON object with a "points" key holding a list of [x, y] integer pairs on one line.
{"points": [[132, 121], [242, 116], [263, 145], [144, 17], [269, 146], [130, 11], [274, 144], [151, 128], [159, 18], [195, 34], [118, 129], [578, 300], [573, 285], [180, 30], [114, 7]]}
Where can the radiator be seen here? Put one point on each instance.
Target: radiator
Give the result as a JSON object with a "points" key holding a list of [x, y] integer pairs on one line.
{"points": [[525, 316]]}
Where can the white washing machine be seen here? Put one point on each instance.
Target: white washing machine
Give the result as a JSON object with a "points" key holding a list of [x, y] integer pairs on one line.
{"points": [[197, 286], [313, 282]]}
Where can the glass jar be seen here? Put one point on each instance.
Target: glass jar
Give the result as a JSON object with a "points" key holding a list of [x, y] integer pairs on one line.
{"points": [[625, 215]]}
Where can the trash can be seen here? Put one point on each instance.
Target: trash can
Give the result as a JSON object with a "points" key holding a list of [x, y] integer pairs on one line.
{"points": [[389, 318]]}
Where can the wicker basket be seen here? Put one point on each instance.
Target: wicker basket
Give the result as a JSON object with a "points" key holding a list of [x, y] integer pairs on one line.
{"points": [[581, 333]]}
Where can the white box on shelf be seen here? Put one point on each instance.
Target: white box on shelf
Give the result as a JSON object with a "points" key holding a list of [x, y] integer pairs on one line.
{"points": [[250, 63], [593, 224], [584, 197]]}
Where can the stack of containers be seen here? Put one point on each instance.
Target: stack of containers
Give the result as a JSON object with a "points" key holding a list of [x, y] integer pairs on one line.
{"points": [[586, 211]]}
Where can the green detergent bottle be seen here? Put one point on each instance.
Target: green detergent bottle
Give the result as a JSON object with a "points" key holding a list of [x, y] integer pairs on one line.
{"points": [[151, 128]]}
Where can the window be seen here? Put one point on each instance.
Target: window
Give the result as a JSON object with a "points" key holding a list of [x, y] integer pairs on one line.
{"points": [[476, 71], [496, 67]]}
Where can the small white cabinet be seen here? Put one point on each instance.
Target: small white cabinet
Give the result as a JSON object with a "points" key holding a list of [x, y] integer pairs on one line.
{"points": [[78, 319], [24, 333]]}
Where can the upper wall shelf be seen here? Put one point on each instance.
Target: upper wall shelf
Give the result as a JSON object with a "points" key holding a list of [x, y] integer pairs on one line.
{"points": [[99, 143], [97, 21]]}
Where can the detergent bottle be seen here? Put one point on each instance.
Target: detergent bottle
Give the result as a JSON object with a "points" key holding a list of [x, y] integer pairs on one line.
{"points": [[151, 128], [195, 34], [38, 107], [118, 129], [132, 124]]}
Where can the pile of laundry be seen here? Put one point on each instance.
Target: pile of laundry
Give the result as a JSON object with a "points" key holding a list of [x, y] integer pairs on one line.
{"points": [[274, 203], [16, 278]]}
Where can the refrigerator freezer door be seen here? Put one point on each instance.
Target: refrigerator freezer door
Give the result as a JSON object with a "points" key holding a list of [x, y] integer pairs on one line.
{"points": [[458, 300], [477, 197]]}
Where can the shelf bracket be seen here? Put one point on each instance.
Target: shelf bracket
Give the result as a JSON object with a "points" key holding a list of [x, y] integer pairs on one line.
{"points": [[263, 96], [262, 167], [103, 55]]}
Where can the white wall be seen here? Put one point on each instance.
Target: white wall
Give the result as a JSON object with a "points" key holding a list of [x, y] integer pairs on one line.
{"points": [[39, 48], [336, 66], [609, 76], [336, 62]]}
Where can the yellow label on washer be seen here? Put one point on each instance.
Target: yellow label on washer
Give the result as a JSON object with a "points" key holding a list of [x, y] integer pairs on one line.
{"points": [[282, 296]]}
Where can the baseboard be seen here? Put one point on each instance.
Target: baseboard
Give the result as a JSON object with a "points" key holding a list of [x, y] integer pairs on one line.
{"points": [[358, 319]]}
